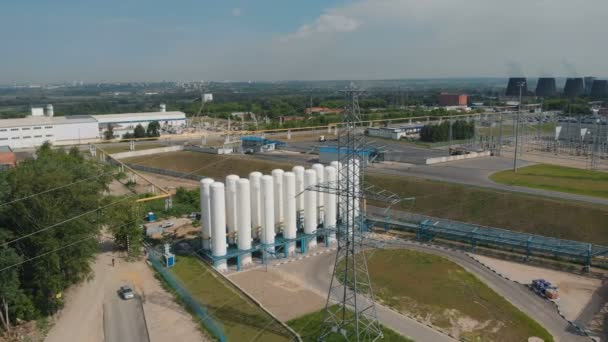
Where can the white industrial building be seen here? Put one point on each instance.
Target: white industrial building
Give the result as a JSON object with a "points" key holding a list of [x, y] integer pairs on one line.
{"points": [[42, 126], [408, 131], [126, 123]]}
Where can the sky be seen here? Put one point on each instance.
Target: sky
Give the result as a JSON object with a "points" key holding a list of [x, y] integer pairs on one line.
{"points": [[154, 40]]}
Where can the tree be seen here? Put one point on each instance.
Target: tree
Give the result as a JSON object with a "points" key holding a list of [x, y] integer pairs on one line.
{"points": [[42, 279], [153, 129], [124, 223], [109, 133], [139, 131]]}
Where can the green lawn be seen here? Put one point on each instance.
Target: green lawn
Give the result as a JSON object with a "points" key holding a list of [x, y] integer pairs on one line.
{"points": [[520, 212], [310, 327], [240, 318], [435, 289], [557, 178]]}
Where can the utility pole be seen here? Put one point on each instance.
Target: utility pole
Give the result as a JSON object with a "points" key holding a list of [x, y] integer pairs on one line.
{"points": [[516, 124]]}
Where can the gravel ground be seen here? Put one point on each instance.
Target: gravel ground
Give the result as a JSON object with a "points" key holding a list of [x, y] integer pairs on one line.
{"points": [[575, 292]]}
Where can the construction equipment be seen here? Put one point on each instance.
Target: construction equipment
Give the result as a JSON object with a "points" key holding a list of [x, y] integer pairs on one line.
{"points": [[545, 288]]}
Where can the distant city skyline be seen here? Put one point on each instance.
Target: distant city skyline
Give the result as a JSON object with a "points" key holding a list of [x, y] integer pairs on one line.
{"points": [[154, 40]]}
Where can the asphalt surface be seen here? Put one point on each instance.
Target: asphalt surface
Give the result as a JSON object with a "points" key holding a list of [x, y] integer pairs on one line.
{"points": [[123, 320], [475, 172]]}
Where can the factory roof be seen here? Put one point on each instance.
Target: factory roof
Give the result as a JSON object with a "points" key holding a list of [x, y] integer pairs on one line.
{"points": [[45, 120], [142, 116]]}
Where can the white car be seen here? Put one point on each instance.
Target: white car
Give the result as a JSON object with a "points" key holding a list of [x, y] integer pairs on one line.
{"points": [[126, 293]]}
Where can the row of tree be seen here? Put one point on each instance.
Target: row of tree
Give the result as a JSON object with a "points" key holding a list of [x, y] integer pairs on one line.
{"points": [[461, 130], [152, 131], [49, 231]]}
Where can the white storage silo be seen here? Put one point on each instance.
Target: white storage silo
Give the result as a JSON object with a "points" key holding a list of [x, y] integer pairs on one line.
{"points": [[319, 169], [218, 223], [339, 199], [330, 203], [277, 179], [206, 211], [256, 203], [289, 211], [243, 222], [231, 206], [299, 172], [50, 112], [310, 207], [268, 232], [163, 107]]}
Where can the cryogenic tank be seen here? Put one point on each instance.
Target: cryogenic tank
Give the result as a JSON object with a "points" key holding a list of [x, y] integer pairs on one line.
{"points": [[231, 206], [218, 223], [330, 202], [267, 210], [256, 203], [206, 211], [243, 222], [310, 206], [163, 107], [299, 172], [319, 169], [277, 179], [339, 199], [289, 210]]}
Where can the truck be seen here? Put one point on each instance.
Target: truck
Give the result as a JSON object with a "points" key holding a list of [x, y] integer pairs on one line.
{"points": [[544, 288]]}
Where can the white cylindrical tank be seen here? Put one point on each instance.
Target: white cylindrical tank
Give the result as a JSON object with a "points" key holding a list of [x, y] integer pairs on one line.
{"points": [[256, 203], [330, 203], [231, 206], [205, 188], [310, 207], [268, 232], [339, 199], [299, 172], [218, 223], [163, 107], [243, 222], [319, 169], [356, 182], [50, 112], [289, 211], [277, 179]]}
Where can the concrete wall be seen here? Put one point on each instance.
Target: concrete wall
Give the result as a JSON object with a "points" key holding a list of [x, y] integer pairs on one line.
{"points": [[129, 154], [437, 160]]}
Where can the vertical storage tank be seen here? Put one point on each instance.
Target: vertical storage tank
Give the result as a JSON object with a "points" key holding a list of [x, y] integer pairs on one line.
{"points": [[319, 169], [218, 223], [330, 203], [205, 188], [310, 207], [231, 206], [277, 179], [267, 212], [339, 183], [256, 203], [299, 172], [243, 222], [289, 211]]}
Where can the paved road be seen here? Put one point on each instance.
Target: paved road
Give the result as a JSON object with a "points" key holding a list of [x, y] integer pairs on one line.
{"points": [[475, 172], [316, 272], [123, 320], [543, 311]]}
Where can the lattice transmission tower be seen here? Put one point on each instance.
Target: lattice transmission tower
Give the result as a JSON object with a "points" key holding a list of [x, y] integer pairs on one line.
{"points": [[350, 310]]}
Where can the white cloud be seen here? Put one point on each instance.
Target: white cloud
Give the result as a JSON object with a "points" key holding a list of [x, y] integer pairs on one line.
{"points": [[326, 23], [236, 12]]}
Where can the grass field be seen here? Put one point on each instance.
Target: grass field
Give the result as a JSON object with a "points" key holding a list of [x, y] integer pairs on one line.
{"points": [[240, 318], [556, 218], [310, 328], [557, 178], [435, 289]]}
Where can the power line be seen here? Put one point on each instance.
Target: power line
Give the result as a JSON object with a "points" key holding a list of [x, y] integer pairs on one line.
{"points": [[64, 221], [53, 189]]}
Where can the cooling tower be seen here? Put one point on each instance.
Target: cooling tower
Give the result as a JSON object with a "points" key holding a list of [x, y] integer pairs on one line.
{"points": [[599, 88], [546, 87], [574, 87], [513, 86]]}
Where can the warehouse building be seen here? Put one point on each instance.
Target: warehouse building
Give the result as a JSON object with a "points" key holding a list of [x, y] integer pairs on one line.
{"points": [[408, 131], [453, 100], [170, 122]]}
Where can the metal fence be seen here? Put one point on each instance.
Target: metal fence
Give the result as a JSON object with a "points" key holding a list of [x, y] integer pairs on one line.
{"points": [[201, 313], [165, 172]]}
